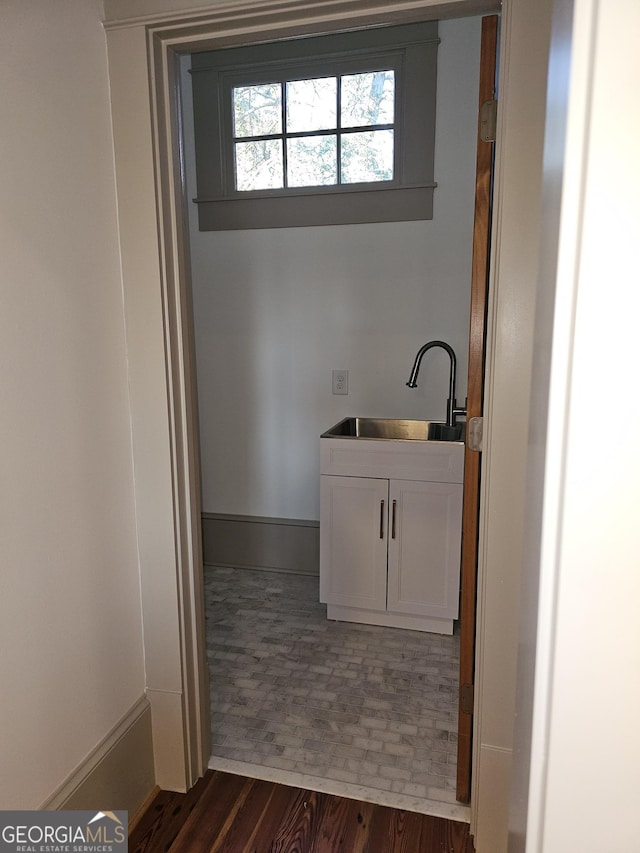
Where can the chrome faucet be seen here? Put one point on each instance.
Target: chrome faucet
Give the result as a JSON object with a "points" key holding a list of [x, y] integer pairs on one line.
{"points": [[453, 410]]}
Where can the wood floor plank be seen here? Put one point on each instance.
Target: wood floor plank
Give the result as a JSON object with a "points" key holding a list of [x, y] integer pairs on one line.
{"points": [[257, 820], [158, 826], [459, 838], [394, 831], [225, 813], [282, 801], [146, 835], [440, 834], [343, 826], [221, 801], [380, 831], [364, 818], [407, 832], [297, 830]]}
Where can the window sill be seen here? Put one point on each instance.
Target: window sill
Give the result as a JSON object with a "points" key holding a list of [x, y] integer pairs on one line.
{"points": [[401, 204]]}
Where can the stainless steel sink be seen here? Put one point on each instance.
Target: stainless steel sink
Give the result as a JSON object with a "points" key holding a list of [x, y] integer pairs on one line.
{"points": [[396, 430]]}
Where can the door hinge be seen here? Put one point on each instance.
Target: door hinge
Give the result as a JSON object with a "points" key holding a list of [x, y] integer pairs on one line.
{"points": [[466, 698], [488, 114], [475, 429]]}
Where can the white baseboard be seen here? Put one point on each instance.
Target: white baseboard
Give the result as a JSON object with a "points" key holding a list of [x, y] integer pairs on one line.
{"points": [[118, 774]]}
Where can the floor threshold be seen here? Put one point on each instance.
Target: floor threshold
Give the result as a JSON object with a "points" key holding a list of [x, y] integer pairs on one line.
{"points": [[434, 808]]}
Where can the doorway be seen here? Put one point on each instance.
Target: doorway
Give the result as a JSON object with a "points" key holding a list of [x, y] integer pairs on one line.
{"points": [[143, 51], [255, 291]]}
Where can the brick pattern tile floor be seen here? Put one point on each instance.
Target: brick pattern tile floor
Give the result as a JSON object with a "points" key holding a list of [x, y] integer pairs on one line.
{"points": [[358, 704]]}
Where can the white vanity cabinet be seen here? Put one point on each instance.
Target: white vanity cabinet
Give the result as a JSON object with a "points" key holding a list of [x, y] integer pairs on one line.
{"points": [[390, 532]]}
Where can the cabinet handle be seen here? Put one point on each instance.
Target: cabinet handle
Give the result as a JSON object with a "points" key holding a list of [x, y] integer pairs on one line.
{"points": [[382, 519], [393, 520]]}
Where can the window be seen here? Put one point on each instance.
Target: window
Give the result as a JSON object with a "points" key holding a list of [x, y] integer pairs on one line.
{"points": [[327, 130], [323, 131]]}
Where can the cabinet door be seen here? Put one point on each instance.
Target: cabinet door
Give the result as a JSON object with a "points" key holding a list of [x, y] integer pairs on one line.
{"points": [[353, 541], [424, 548]]}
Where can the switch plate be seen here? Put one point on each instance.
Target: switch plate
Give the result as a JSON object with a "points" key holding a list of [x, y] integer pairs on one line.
{"points": [[340, 382]]}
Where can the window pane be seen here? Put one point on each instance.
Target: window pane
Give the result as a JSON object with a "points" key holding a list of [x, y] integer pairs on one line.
{"points": [[312, 161], [367, 98], [259, 165], [257, 110], [311, 104], [367, 156]]}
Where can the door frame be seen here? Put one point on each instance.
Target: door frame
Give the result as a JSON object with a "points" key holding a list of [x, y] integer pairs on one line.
{"points": [[143, 55], [164, 52], [489, 47]]}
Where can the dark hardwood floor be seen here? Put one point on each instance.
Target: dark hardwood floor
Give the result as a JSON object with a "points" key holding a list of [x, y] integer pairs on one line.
{"points": [[233, 814]]}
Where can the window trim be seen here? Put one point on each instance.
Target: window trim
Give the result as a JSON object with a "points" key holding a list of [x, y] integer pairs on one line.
{"points": [[410, 50]]}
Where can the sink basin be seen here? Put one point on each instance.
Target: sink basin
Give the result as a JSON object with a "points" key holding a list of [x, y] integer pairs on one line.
{"points": [[396, 430]]}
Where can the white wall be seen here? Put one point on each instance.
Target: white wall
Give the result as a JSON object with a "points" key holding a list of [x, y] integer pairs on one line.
{"points": [[277, 310], [70, 627], [581, 751]]}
